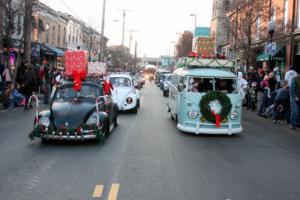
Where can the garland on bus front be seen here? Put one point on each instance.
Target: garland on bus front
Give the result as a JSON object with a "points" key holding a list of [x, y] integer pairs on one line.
{"points": [[208, 105]]}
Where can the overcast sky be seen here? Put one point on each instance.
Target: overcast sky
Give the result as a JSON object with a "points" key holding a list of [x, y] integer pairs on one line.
{"points": [[157, 21]]}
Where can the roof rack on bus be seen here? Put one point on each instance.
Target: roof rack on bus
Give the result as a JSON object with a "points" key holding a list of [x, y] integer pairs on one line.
{"points": [[188, 62]]}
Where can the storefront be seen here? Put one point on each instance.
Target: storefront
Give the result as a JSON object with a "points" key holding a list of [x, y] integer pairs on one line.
{"points": [[297, 55], [276, 62], [59, 56]]}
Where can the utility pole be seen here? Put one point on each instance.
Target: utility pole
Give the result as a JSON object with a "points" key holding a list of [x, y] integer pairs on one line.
{"points": [[102, 33], [124, 11], [135, 55], [130, 38]]}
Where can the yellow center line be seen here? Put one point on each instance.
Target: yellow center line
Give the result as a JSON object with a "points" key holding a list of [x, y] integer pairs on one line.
{"points": [[113, 193], [98, 191]]}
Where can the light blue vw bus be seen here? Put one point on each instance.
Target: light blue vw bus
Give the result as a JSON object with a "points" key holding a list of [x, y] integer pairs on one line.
{"points": [[204, 97]]}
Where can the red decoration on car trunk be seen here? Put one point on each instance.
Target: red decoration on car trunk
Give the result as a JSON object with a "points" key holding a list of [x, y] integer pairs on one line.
{"points": [[78, 77]]}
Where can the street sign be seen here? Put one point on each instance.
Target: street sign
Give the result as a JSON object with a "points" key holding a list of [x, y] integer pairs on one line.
{"points": [[36, 50], [270, 48]]}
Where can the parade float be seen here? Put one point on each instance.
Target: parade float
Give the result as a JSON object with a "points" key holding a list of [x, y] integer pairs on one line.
{"points": [[204, 96], [78, 109]]}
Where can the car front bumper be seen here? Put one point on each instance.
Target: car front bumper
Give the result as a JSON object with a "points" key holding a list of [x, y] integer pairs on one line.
{"points": [[68, 135], [211, 129]]}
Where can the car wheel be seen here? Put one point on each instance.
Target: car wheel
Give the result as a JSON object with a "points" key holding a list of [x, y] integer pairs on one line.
{"points": [[46, 141], [172, 118], [138, 103], [135, 110], [116, 120], [165, 93]]}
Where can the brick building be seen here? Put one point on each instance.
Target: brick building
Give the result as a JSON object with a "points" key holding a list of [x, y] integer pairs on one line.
{"points": [[283, 14]]}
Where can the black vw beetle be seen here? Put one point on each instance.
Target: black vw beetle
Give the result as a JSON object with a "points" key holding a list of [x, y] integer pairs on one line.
{"points": [[76, 115]]}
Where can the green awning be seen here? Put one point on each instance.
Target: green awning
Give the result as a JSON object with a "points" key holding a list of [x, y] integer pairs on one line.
{"points": [[263, 57], [279, 55]]}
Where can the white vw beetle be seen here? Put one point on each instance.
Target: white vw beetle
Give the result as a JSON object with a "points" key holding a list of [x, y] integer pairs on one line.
{"points": [[125, 94]]}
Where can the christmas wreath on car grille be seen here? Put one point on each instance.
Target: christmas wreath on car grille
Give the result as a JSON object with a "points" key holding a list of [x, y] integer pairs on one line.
{"points": [[215, 107]]}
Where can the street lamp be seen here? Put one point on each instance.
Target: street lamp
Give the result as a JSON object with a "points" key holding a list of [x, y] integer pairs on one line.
{"points": [[194, 15], [271, 29], [102, 32]]}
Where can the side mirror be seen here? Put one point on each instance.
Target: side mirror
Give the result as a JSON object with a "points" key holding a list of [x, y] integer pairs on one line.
{"points": [[180, 87]]}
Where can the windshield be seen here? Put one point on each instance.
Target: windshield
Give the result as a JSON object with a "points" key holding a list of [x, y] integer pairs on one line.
{"points": [[202, 84], [87, 91], [120, 81]]}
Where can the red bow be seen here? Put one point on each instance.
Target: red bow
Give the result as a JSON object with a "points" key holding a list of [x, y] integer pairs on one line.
{"points": [[78, 78], [218, 119]]}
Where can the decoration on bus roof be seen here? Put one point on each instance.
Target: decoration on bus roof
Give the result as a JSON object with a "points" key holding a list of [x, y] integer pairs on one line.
{"points": [[192, 62]]}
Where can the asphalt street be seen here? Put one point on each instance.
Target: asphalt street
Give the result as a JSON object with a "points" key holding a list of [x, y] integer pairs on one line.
{"points": [[147, 158]]}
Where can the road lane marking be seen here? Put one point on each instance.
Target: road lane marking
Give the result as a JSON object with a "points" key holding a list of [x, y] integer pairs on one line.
{"points": [[113, 193], [98, 191]]}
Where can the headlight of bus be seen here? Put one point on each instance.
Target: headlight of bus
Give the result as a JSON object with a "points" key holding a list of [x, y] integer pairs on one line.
{"points": [[92, 120], [44, 121], [234, 115], [193, 114]]}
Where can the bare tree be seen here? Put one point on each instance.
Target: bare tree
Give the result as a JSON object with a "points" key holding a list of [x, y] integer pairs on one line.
{"points": [[245, 21], [185, 44], [10, 9], [28, 20], [90, 40]]}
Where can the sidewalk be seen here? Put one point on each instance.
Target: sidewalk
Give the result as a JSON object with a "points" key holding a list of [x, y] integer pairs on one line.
{"points": [[40, 97], [268, 121]]}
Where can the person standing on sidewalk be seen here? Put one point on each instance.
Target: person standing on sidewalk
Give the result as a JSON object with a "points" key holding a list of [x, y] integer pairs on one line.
{"points": [[290, 74], [30, 80], [260, 90], [295, 101]]}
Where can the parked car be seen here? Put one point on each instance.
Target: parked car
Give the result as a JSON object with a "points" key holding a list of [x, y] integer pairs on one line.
{"points": [[166, 85], [163, 80], [76, 115], [160, 76], [137, 82], [125, 94]]}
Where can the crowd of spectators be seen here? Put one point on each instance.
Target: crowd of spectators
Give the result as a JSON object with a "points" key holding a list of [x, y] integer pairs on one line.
{"points": [[17, 84], [272, 97]]}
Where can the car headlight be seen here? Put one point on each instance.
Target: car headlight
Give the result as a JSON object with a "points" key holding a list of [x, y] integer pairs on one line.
{"points": [[193, 114], [44, 121], [129, 100], [234, 115], [92, 120]]}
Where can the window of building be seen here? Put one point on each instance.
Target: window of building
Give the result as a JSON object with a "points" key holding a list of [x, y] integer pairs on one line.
{"points": [[47, 35], [298, 14], [258, 22], [58, 35], [64, 37], [19, 29], [286, 7], [274, 14], [53, 34]]}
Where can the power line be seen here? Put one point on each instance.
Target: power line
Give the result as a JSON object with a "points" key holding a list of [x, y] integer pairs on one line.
{"points": [[70, 9]]}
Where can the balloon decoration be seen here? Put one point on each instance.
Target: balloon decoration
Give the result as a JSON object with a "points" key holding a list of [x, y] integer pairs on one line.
{"points": [[12, 58], [78, 77]]}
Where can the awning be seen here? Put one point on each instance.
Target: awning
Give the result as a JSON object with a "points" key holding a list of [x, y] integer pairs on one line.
{"points": [[279, 55], [58, 52], [47, 51], [263, 57], [15, 45]]}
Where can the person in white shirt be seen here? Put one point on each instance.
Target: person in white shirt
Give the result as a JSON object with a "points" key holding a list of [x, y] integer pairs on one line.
{"points": [[290, 75], [243, 84]]}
